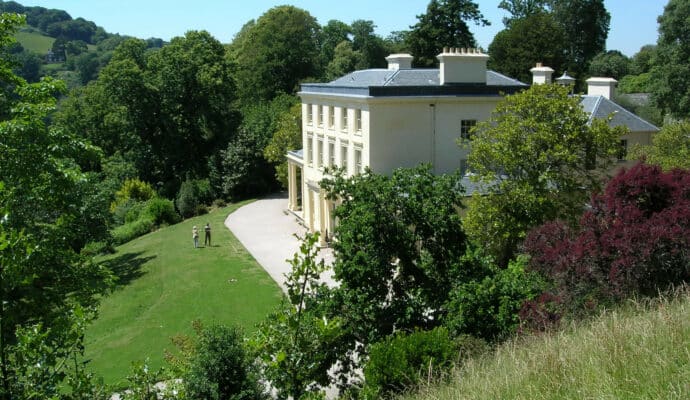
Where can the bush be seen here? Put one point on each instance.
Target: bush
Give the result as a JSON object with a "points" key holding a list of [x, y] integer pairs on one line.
{"points": [[192, 195], [93, 249], [488, 307], [399, 362], [633, 241], [220, 367], [132, 189], [125, 233], [161, 211]]}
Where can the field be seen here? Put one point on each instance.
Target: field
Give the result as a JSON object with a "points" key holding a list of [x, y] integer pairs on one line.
{"points": [[35, 41], [641, 351], [165, 284]]}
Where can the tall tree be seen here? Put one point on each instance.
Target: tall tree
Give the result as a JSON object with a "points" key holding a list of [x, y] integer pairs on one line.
{"points": [[332, 34], [671, 74], [528, 40], [520, 9], [539, 158], [670, 147], [610, 63], [443, 25], [45, 223], [278, 51], [586, 24], [368, 43]]}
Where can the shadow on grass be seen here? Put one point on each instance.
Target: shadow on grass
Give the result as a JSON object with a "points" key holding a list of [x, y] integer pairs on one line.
{"points": [[127, 267]]}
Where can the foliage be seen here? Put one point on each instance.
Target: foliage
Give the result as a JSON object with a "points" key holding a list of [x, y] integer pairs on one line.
{"points": [[671, 72], [643, 61], [443, 25], [528, 40], [345, 60], [332, 34], [287, 136], [612, 63], [539, 158], [275, 53], [192, 194], [368, 44], [670, 147], [128, 231], [295, 345], [220, 369], [521, 9], [586, 25], [134, 190], [43, 202], [633, 241], [635, 83], [398, 247], [400, 362], [487, 306]]}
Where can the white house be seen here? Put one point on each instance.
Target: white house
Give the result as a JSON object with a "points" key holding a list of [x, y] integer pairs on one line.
{"points": [[400, 117]]}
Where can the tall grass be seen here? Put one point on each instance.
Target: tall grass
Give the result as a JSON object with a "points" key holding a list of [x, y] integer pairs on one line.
{"points": [[639, 351]]}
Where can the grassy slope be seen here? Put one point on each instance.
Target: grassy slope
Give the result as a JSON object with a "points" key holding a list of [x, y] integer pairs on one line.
{"points": [[633, 353], [165, 284], [35, 41]]}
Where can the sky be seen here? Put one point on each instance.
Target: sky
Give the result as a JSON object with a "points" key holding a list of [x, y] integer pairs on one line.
{"points": [[633, 22]]}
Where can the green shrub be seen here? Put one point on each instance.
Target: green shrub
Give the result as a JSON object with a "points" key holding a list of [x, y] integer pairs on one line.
{"points": [[218, 203], [125, 233], [399, 362], [193, 194], [161, 211], [135, 211], [133, 189], [93, 249], [120, 211], [220, 367], [488, 306]]}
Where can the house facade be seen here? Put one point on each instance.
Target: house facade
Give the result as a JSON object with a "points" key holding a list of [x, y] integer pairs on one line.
{"points": [[400, 117]]}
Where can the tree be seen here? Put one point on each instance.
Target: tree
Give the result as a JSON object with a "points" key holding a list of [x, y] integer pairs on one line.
{"points": [[345, 60], [370, 45], [332, 34], [671, 91], [670, 147], [398, 249], [443, 25], [632, 241], [586, 25], [521, 9], [295, 345], [274, 54], [43, 192], [220, 368], [528, 40], [644, 60], [287, 136], [610, 63], [539, 157]]}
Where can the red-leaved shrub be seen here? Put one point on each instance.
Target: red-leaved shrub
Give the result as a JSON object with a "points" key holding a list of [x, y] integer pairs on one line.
{"points": [[635, 239]]}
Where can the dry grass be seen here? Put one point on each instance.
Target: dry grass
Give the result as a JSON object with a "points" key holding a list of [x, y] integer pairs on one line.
{"points": [[639, 351]]}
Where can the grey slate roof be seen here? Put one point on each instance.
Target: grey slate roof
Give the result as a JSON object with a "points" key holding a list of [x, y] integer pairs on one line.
{"points": [[411, 82], [601, 107]]}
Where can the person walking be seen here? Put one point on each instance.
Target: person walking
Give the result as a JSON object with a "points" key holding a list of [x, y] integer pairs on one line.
{"points": [[195, 236], [207, 236]]}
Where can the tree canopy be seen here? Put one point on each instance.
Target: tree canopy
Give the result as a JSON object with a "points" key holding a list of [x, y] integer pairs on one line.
{"points": [[534, 38], [276, 52], [670, 147], [539, 158], [443, 25], [671, 74]]}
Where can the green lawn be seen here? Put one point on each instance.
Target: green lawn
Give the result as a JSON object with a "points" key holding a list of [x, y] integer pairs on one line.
{"points": [[165, 284], [35, 41]]}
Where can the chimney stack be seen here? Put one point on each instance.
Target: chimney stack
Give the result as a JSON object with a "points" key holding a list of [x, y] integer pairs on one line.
{"points": [[541, 75], [462, 66], [597, 86], [399, 61]]}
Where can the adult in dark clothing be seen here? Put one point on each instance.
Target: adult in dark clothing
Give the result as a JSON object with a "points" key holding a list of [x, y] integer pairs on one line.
{"points": [[207, 237]]}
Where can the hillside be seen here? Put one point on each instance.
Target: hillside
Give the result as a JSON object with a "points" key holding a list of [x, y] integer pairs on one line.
{"points": [[165, 284], [638, 352], [34, 41]]}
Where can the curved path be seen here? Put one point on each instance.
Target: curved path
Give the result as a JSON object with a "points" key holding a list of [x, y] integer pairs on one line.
{"points": [[268, 232]]}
